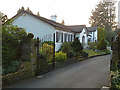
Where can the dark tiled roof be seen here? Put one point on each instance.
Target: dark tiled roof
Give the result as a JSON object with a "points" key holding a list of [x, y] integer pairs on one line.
{"points": [[76, 28], [92, 29], [51, 22]]}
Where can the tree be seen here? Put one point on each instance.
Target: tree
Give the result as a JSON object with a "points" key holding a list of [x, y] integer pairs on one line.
{"points": [[101, 33], [77, 46], [11, 38], [104, 16]]}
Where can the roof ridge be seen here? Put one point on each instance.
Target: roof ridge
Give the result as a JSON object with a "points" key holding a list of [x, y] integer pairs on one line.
{"points": [[51, 22]]}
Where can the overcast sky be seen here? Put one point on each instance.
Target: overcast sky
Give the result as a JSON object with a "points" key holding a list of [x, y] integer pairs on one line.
{"points": [[74, 12]]}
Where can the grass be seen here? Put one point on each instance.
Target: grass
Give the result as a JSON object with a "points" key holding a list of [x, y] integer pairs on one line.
{"points": [[92, 53]]}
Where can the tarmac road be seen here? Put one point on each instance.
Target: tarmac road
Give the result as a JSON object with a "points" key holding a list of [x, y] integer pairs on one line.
{"points": [[91, 73]]}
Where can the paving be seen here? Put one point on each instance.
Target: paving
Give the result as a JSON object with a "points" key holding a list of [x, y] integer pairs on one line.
{"points": [[90, 73]]}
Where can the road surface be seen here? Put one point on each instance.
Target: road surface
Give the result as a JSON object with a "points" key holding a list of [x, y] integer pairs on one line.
{"points": [[91, 73]]}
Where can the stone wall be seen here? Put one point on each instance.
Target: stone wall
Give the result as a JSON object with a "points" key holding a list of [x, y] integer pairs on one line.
{"points": [[115, 52], [28, 62]]}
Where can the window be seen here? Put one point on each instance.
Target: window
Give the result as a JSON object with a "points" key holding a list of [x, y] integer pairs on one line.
{"points": [[68, 37], [65, 37], [71, 37], [83, 39], [61, 37], [57, 37]]}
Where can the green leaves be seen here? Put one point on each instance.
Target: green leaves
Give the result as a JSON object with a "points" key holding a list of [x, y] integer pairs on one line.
{"points": [[11, 38]]}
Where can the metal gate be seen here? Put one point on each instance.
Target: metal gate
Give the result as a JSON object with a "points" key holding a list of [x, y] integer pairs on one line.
{"points": [[45, 54]]}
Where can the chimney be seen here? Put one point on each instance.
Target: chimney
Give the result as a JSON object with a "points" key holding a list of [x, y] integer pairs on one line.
{"points": [[53, 17]]}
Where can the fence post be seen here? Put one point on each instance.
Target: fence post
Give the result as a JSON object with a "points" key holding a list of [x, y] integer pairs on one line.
{"points": [[54, 51], [37, 56]]}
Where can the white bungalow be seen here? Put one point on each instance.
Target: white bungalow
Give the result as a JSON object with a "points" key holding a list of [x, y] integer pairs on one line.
{"points": [[92, 33], [81, 32], [44, 28]]}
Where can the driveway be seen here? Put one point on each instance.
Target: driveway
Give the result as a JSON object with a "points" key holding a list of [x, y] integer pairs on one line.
{"points": [[91, 73]]}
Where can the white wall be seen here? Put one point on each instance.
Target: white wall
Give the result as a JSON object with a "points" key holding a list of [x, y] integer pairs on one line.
{"points": [[34, 25], [59, 44], [84, 33], [93, 36]]}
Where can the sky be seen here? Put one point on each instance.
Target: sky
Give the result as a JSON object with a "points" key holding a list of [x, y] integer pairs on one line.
{"points": [[73, 12]]}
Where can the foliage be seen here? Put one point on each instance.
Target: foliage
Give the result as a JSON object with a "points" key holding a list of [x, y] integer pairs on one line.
{"points": [[92, 45], [115, 80], [11, 38], [42, 55], [77, 46], [13, 67], [102, 45], [91, 52], [48, 49], [46, 52], [67, 48], [48, 42], [104, 16], [84, 54], [59, 56], [101, 15], [101, 33], [107, 51]]}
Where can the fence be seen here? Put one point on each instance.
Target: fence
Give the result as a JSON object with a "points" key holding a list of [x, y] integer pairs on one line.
{"points": [[45, 54]]}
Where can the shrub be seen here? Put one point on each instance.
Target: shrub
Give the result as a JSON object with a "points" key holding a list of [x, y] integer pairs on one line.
{"points": [[84, 54], [107, 51], [48, 49], [13, 67], [92, 45], [11, 47], [59, 56], [102, 45], [115, 80], [48, 42], [77, 46], [42, 55], [66, 48]]}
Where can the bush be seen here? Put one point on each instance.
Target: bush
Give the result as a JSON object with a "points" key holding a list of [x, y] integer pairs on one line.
{"points": [[107, 51], [42, 55], [11, 46], [48, 49], [59, 56], [48, 42], [84, 54], [13, 67], [102, 45], [77, 46], [46, 52], [66, 48], [92, 45]]}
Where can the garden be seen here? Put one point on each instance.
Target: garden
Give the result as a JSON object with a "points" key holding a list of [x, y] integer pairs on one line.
{"points": [[15, 67]]}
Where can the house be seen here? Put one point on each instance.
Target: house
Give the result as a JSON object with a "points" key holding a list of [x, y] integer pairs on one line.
{"points": [[81, 32], [92, 33], [44, 28]]}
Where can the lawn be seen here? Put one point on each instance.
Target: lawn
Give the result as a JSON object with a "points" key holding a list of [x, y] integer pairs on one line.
{"points": [[92, 53]]}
